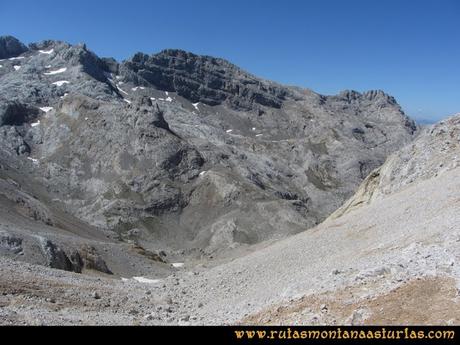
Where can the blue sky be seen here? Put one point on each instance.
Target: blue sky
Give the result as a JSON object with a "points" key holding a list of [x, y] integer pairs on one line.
{"points": [[410, 49]]}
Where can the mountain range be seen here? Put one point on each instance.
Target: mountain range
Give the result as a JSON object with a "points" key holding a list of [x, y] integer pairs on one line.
{"points": [[212, 195]]}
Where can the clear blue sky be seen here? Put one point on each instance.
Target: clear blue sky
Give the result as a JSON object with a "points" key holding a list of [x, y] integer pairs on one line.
{"points": [[410, 49]]}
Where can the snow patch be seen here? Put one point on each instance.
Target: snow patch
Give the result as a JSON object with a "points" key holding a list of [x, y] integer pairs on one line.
{"points": [[35, 123], [135, 88], [177, 264], [118, 77], [166, 93], [229, 130], [35, 161], [1, 66], [16, 58], [152, 98], [16, 67], [169, 99], [146, 280], [46, 109], [48, 52], [48, 66], [60, 70], [253, 128], [121, 90], [61, 82], [202, 173], [195, 105], [259, 135], [127, 100]]}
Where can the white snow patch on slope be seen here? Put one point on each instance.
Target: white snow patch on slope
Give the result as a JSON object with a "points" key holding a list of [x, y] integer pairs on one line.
{"points": [[253, 128], [195, 105], [33, 160], [202, 173], [166, 93], [169, 99], [16, 67], [46, 109], [16, 58], [48, 66], [35, 123], [127, 100], [48, 52], [61, 82], [121, 90], [259, 135], [1, 66], [229, 130], [146, 280], [177, 264], [60, 70]]}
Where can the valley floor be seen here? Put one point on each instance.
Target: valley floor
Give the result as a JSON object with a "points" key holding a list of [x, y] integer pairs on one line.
{"points": [[396, 260]]}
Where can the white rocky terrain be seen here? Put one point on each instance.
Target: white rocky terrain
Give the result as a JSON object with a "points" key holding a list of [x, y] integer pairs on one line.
{"points": [[178, 189]]}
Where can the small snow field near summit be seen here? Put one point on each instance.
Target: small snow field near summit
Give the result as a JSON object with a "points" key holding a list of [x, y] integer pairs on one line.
{"points": [[16, 68], [58, 71], [46, 109], [47, 52]]}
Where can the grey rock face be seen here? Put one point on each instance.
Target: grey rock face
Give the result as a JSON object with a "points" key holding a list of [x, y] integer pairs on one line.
{"points": [[10, 242], [11, 47], [190, 150], [55, 256], [203, 79], [434, 152], [15, 113]]}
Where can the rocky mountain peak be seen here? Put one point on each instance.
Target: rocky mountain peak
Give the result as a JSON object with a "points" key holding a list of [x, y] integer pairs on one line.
{"points": [[205, 79], [11, 47]]}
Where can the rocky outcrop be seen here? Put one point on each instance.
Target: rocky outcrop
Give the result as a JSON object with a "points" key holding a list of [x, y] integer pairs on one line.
{"points": [[10, 242], [15, 113], [57, 258], [11, 47], [203, 79], [433, 153]]}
